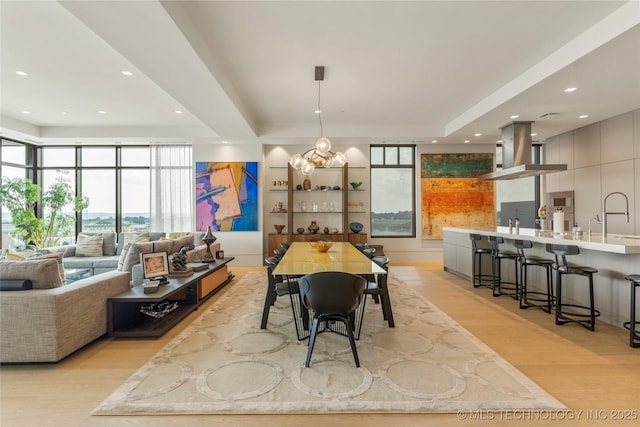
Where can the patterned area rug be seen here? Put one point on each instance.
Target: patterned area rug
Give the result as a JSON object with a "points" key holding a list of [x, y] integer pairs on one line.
{"points": [[223, 363]]}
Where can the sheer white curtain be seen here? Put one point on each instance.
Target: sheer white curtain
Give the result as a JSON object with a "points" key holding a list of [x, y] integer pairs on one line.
{"points": [[172, 188]]}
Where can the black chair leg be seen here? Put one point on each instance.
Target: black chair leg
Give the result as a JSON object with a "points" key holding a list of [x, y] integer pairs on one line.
{"points": [[386, 303], [633, 336], [558, 298], [592, 311], [352, 341], [269, 300], [312, 340]]}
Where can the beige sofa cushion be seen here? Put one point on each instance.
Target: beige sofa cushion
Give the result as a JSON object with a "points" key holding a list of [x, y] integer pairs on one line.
{"points": [[180, 242], [108, 241], [43, 273], [53, 255], [89, 245]]}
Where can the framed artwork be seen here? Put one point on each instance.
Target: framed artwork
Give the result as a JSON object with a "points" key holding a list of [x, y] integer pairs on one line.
{"points": [[227, 196], [452, 195], [154, 264]]}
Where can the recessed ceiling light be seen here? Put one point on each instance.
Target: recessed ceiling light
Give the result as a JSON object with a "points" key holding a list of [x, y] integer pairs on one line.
{"points": [[127, 73], [178, 111], [225, 142], [477, 134], [570, 89], [318, 111], [466, 141], [21, 73], [534, 134], [499, 141], [64, 113], [26, 112], [102, 112], [584, 116], [434, 141], [515, 116]]}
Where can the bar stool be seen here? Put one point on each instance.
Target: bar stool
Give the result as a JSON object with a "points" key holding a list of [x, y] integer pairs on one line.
{"points": [[634, 334], [497, 256], [542, 300], [571, 313], [478, 249]]}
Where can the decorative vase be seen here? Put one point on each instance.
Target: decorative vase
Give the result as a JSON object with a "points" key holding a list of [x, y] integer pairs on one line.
{"points": [[306, 184], [300, 230], [279, 228], [313, 228], [208, 240], [326, 230], [356, 227]]}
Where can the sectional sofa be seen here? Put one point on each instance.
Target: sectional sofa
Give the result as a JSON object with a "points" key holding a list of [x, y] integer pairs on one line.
{"points": [[52, 320], [48, 319], [112, 257]]}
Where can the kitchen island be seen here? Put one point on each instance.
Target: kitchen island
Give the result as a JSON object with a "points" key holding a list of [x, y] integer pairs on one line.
{"points": [[615, 256]]}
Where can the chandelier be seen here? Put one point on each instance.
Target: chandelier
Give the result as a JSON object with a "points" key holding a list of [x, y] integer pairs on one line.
{"points": [[320, 155]]}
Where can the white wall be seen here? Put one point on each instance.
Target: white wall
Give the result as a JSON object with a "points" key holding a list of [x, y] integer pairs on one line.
{"points": [[601, 158], [398, 249]]}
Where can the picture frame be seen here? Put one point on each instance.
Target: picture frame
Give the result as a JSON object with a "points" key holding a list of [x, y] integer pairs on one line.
{"points": [[155, 265]]}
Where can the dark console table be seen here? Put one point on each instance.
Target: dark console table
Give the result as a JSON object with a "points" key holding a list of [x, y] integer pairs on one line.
{"points": [[124, 318]]}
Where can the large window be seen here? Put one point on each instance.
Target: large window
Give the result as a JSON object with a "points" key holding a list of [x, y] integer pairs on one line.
{"points": [[393, 191], [14, 163], [115, 179]]}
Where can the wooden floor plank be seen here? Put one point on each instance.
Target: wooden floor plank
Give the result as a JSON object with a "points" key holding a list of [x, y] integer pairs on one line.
{"points": [[593, 372]]}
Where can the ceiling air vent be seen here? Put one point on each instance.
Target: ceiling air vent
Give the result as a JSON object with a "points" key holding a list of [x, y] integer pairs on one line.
{"points": [[549, 115]]}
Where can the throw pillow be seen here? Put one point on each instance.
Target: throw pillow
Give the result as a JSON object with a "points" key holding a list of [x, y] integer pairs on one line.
{"points": [[176, 234], [135, 237], [43, 273], [58, 257], [14, 256], [87, 245], [123, 255], [180, 242]]}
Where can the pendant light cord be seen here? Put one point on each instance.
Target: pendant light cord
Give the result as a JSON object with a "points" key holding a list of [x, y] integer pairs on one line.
{"points": [[319, 111]]}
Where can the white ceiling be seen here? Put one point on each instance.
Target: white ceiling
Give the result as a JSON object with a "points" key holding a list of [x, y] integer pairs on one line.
{"points": [[243, 71]]}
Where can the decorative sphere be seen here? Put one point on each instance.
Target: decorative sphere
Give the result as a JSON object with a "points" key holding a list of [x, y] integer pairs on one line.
{"points": [[323, 145]]}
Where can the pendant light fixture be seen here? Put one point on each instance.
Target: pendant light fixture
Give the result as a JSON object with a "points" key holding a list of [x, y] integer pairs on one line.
{"points": [[320, 155]]}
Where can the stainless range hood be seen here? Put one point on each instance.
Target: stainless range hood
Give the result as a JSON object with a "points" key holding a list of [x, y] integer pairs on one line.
{"points": [[516, 155]]}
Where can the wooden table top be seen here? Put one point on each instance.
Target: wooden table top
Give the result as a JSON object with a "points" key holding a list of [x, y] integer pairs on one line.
{"points": [[301, 259]]}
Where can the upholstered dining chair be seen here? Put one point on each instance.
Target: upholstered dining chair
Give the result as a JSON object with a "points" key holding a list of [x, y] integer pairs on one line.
{"points": [[276, 287], [377, 288], [332, 296]]}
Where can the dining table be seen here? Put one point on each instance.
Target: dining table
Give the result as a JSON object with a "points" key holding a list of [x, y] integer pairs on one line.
{"points": [[301, 259]]}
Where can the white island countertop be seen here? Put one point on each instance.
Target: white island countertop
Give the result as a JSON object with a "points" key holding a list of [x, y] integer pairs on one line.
{"points": [[614, 243]]}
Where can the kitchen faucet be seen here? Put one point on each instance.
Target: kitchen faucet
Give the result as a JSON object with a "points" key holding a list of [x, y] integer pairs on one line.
{"points": [[605, 213], [597, 220]]}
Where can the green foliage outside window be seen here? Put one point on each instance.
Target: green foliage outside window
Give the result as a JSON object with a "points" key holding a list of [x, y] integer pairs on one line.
{"points": [[20, 197]]}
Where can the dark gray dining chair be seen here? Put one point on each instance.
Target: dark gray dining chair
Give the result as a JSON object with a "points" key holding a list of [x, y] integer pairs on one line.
{"points": [[332, 296]]}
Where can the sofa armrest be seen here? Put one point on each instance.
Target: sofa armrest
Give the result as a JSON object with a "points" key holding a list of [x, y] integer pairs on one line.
{"points": [[45, 325]]}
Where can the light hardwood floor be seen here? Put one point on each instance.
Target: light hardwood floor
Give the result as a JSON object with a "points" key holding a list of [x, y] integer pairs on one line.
{"points": [[595, 374]]}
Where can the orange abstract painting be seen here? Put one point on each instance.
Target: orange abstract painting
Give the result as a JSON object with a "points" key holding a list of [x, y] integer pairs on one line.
{"points": [[452, 195]]}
